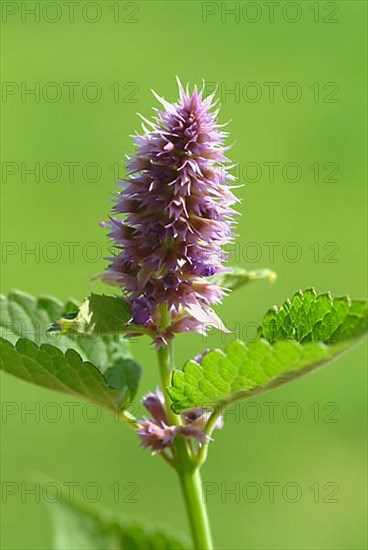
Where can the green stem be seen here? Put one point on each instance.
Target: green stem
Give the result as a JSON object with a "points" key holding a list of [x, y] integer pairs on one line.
{"points": [[166, 365], [129, 419], [183, 462], [202, 453], [191, 485]]}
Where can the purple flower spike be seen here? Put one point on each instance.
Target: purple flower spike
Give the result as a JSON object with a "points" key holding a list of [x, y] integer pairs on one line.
{"points": [[176, 203]]}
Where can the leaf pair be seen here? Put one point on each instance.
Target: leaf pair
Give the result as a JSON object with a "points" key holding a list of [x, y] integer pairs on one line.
{"points": [[304, 333], [78, 348]]}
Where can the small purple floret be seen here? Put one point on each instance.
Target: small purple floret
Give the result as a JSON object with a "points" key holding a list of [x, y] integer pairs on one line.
{"points": [[141, 310], [155, 436], [198, 358], [156, 432], [155, 404]]}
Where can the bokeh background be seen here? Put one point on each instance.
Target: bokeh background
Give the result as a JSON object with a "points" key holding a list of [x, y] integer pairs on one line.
{"points": [[317, 121]]}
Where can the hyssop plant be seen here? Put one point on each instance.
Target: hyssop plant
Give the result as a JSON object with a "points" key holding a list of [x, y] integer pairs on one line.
{"points": [[172, 217]]}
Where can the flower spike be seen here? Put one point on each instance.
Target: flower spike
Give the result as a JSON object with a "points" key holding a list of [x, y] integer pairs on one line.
{"points": [[177, 208]]}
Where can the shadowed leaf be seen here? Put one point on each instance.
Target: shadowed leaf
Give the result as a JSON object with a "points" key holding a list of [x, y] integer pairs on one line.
{"points": [[64, 362], [79, 527]]}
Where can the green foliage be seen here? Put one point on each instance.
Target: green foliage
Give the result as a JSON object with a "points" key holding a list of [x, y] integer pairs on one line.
{"points": [[64, 362], [49, 367], [125, 373], [312, 317], [99, 314], [23, 316], [237, 277], [81, 528], [306, 332]]}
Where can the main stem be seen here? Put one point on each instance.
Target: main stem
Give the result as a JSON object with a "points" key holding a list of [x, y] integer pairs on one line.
{"points": [[191, 485], [188, 471]]}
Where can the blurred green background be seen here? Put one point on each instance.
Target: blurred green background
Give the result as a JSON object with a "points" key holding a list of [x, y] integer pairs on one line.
{"points": [[131, 48]]}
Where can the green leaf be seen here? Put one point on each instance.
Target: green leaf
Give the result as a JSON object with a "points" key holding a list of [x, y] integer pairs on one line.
{"points": [[23, 316], [312, 317], [49, 367], [237, 277], [99, 314], [64, 362], [79, 527], [125, 373], [305, 333]]}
